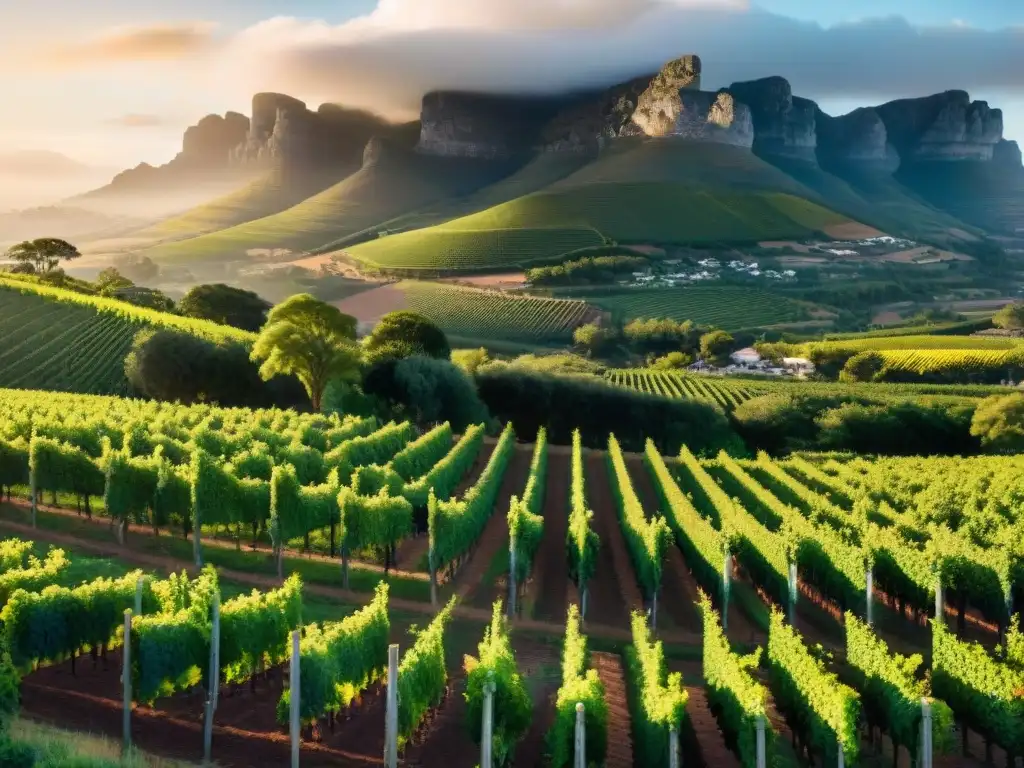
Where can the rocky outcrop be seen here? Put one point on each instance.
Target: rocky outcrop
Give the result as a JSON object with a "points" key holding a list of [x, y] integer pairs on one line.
{"points": [[703, 116], [213, 138], [784, 126], [462, 124], [943, 127], [284, 131], [858, 138], [1007, 154]]}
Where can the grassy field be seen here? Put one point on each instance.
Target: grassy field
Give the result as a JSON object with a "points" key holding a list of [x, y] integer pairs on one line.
{"points": [[368, 197], [271, 193], [469, 313], [646, 192], [59, 340], [727, 307]]}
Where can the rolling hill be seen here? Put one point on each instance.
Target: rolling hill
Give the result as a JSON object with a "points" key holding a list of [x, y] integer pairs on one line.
{"points": [[398, 183], [637, 192], [61, 340]]}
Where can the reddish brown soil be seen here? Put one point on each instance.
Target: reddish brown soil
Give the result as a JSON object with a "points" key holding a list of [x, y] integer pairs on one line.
{"points": [[550, 580], [620, 736], [473, 585], [613, 590], [246, 732], [370, 306]]}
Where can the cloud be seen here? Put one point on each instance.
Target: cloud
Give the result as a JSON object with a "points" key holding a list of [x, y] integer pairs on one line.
{"points": [[163, 42], [135, 120], [387, 59]]}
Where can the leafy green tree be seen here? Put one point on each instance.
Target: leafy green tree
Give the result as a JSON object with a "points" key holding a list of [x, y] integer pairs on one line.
{"points": [[44, 254], [404, 334], [110, 280], [863, 366], [470, 359], [715, 346], [311, 340], [673, 361], [592, 338], [999, 422], [226, 305], [1011, 317], [140, 296]]}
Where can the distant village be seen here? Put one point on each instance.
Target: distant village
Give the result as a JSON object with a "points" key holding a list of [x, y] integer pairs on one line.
{"points": [[749, 360]]}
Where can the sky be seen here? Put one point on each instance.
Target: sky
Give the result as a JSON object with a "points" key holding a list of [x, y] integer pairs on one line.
{"points": [[112, 83]]}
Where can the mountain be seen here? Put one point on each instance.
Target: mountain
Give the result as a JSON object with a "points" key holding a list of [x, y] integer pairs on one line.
{"points": [[43, 163], [490, 180]]}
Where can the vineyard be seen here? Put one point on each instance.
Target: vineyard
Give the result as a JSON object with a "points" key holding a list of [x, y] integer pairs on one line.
{"points": [[474, 313], [725, 307], [728, 392], [851, 552], [66, 341]]}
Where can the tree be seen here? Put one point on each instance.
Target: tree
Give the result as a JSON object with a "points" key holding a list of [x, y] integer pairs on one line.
{"points": [[226, 305], [672, 361], [404, 334], [110, 280], [437, 390], [175, 366], [716, 346], [864, 366], [44, 254], [591, 338], [310, 339], [140, 296], [470, 359], [999, 422], [1011, 317]]}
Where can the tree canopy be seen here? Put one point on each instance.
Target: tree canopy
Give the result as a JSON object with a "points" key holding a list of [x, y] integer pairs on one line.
{"points": [[1011, 316], [999, 422], [404, 334], [716, 346], [311, 340], [43, 254], [226, 305]]}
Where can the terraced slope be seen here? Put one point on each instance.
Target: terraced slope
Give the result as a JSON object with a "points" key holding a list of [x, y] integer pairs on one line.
{"points": [[370, 196], [59, 340], [635, 192], [727, 307], [474, 314]]}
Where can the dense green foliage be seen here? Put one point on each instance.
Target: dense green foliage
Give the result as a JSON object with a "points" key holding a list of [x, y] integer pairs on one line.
{"points": [[737, 698], [580, 685], [646, 539], [822, 711], [496, 663], [657, 699], [255, 628], [563, 404], [587, 269], [525, 521], [338, 660], [225, 305], [581, 539], [403, 334], [423, 675], [999, 423]]}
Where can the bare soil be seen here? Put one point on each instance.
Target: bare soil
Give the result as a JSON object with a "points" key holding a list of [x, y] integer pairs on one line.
{"points": [[620, 737], [550, 581], [370, 306], [474, 586], [503, 280], [613, 590], [852, 230]]}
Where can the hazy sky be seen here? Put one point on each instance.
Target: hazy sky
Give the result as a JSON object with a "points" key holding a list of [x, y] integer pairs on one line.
{"points": [[115, 82]]}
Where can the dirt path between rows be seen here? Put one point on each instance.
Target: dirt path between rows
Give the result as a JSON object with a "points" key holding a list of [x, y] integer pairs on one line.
{"points": [[614, 593], [678, 591], [620, 735], [550, 580], [474, 586]]}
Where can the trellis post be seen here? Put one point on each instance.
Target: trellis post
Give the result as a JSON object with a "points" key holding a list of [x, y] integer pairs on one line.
{"points": [[580, 747], [391, 716], [295, 699], [487, 735], [512, 575], [726, 587], [126, 683]]}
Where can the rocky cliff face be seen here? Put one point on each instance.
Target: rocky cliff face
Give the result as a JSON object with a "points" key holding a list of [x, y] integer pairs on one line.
{"points": [[784, 126], [284, 131], [943, 127], [1007, 154], [855, 139]]}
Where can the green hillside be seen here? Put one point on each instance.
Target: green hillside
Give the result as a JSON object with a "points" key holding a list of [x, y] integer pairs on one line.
{"points": [[986, 195], [399, 184], [60, 340], [470, 313], [636, 192], [727, 307], [273, 192]]}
